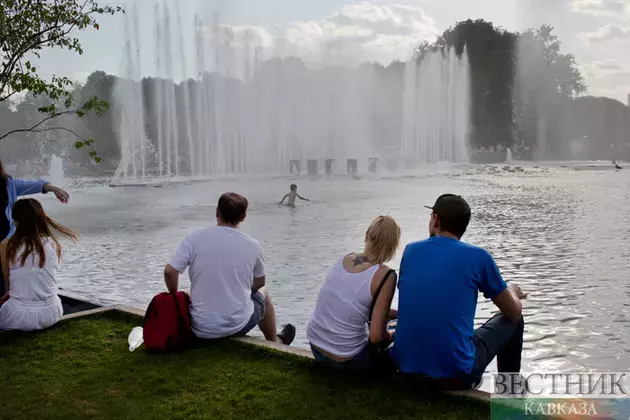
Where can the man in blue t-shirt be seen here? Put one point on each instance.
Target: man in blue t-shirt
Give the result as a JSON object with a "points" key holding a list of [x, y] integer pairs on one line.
{"points": [[440, 278]]}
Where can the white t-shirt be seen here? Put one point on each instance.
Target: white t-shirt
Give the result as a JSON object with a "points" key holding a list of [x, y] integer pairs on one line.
{"points": [[222, 265]]}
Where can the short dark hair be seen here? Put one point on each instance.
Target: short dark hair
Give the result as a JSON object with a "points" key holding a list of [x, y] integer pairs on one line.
{"points": [[232, 208], [454, 213], [293, 187]]}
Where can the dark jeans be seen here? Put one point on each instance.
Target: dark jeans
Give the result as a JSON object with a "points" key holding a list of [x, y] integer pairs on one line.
{"points": [[500, 338], [362, 362], [367, 361]]}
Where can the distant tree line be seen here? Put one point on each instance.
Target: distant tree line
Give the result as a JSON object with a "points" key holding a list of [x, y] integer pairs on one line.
{"points": [[526, 94]]}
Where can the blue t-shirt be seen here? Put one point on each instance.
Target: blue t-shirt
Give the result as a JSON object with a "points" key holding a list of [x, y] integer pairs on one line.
{"points": [[439, 281]]}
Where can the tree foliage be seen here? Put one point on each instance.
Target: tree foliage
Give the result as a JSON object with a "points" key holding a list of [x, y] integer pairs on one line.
{"points": [[518, 81], [491, 53], [26, 28]]}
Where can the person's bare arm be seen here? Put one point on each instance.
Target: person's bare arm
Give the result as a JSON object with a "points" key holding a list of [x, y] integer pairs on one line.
{"points": [[179, 263], [509, 302], [382, 308], [171, 278], [302, 198], [259, 283], [283, 198], [259, 272], [61, 194], [5, 269]]}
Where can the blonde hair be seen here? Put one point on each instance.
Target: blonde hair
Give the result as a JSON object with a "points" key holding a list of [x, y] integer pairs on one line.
{"points": [[382, 239]]}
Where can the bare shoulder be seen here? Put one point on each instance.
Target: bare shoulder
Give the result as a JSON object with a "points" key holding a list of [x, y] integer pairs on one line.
{"points": [[3, 244], [348, 259], [378, 278], [356, 263], [382, 272]]}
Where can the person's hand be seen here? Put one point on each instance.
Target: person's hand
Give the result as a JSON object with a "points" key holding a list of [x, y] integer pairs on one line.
{"points": [[60, 194], [4, 298], [516, 289]]}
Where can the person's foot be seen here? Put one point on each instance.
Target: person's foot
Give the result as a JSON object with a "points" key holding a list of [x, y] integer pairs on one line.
{"points": [[287, 335]]}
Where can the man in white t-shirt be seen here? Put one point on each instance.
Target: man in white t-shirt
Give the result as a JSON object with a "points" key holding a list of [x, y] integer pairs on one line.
{"points": [[227, 277]]}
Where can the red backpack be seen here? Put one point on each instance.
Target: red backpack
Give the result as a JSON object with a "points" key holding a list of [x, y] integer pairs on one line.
{"points": [[167, 323]]}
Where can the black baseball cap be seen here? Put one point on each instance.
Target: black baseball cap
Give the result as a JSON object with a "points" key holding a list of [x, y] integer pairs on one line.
{"points": [[451, 206]]}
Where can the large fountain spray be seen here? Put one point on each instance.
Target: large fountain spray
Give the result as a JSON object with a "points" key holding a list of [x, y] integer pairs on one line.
{"points": [[232, 112], [436, 111]]}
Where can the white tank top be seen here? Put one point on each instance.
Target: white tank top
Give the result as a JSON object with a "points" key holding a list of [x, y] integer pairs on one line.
{"points": [[31, 284], [339, 323]]}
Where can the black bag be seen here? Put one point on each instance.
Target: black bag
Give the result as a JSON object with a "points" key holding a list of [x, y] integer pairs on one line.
{"points": [[379, 351]]}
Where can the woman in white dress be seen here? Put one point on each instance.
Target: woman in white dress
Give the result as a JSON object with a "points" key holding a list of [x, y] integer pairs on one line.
{"points": [[30, 259]]}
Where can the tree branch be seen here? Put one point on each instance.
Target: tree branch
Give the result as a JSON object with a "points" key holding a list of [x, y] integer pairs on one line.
{"points": [[34, 129], [39, 40], [43, 130], [7, 96], [86, 142]]}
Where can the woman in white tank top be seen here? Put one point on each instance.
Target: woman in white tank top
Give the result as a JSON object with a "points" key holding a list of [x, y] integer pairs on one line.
{"points": [[29, 261], [339, 330]]}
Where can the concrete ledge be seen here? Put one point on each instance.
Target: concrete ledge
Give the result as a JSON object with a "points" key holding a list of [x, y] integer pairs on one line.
{"points": [[88, 313], [130, 310], [473, 393], [276, 346]]}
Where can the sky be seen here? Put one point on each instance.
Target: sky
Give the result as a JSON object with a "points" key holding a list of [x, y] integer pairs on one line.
{"points": [[597, 32]]}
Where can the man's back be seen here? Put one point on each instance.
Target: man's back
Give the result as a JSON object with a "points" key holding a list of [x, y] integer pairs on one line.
{"points": [[222, 265], [439, 282]]}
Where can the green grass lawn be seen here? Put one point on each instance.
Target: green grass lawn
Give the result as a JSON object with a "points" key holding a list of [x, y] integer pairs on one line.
{"points": [[83, 369]]}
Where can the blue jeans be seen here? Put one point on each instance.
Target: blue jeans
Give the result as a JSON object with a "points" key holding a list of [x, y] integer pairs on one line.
{"points": [[259, 313], [501, 338]]}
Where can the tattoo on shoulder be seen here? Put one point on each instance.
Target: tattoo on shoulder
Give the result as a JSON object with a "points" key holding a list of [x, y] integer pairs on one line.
{"points": [[360, 259]]}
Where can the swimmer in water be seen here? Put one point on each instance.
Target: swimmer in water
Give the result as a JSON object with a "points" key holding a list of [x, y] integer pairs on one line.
{"points": [[292, 195]]}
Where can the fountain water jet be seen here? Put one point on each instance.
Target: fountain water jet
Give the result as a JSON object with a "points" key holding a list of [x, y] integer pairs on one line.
{"points": [[238, 114], [55, 171], [436, 108]]}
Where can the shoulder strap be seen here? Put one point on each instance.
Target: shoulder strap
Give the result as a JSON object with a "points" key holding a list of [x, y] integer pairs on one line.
{"points": [[378, 292], [181, 323]]}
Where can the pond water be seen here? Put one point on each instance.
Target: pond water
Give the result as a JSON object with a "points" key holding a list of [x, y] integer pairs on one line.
{"points": [[564, 235]]}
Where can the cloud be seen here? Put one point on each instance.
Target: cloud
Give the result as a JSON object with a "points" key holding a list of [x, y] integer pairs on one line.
{"points": [[607, 33], [608, 77], [392, 20], [380, 31], [607, 68], [602, 8]]}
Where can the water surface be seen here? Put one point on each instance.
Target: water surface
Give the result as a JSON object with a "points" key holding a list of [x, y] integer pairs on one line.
{"points": [[562, 234]]}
